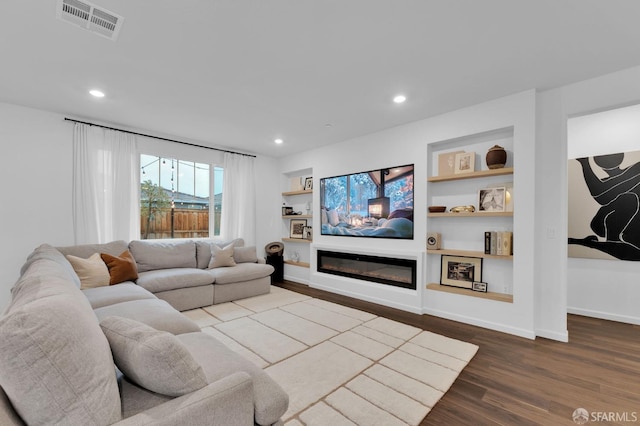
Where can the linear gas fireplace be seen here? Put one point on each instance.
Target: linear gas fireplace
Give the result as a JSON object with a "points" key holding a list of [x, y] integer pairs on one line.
{"points": [[384, 270]]}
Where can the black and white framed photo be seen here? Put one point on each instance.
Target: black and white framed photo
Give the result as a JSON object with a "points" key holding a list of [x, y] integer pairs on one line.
{"points": [[308, 184], [297, 228], [307, 233], [492, 199], [479, 286], [460, 271]]}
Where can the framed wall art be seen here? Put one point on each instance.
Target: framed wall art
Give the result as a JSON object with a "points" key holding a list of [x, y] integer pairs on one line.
{"points": [[460, 271]]}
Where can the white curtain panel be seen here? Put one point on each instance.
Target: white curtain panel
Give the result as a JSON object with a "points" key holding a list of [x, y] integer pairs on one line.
{"points": [[105, 185], [239, 199]]}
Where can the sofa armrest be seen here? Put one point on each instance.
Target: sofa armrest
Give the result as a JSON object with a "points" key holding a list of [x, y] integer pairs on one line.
{"points": [[262, 260], [226, 402]]}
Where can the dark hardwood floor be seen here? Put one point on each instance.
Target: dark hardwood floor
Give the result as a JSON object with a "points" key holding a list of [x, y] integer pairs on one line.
{"points": [[516, 381]]}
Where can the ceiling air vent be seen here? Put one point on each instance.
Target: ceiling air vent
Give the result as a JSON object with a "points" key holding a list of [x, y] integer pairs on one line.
{"points": [[90, 17]]}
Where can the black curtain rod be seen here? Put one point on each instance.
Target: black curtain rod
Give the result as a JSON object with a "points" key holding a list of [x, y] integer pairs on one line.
{"points": [[158, 137]]}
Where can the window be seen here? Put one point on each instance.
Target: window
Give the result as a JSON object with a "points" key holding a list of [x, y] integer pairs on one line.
{"points": [[175, 198]]}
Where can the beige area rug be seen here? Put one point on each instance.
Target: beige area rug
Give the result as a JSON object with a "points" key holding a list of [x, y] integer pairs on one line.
{"points": [[340, 366]]}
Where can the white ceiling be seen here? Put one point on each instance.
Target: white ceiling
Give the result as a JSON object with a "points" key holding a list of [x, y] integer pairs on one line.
{"points": [[239, 73]]}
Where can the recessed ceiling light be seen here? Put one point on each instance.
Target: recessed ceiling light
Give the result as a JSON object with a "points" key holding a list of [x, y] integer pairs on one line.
{"points": [[278, 141], [96, 93], [399, 99]]}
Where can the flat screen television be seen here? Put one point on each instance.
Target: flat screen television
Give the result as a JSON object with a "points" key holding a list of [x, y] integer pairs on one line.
{"points": [[374, 203]]}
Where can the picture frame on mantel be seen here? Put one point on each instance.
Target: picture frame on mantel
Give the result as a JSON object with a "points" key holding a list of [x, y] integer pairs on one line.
{"points": [[460, 271]]}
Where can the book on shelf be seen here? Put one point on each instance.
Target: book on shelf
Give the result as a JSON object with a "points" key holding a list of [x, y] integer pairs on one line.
{"points": [[499, 243]]}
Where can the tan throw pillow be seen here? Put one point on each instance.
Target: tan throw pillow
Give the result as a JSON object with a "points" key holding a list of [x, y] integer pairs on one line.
{"points": [[221, 257], [121, 268], [245, 254], [92, 271], [155, 360]]}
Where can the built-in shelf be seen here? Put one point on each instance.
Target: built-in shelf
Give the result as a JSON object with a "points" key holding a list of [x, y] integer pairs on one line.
{"points": [[296, 240], [297, 192], [472, 175], [297, 216], [471, 214], [469, 253], [300, 264], [500, 297]]}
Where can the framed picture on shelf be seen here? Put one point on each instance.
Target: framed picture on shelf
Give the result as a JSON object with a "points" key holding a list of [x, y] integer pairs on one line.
{"points": [[287, 211], [479, 286], [307, 233], [492, 199], [446, 163], [465, 162], [308, 184], [296, 228], [460, 271]]}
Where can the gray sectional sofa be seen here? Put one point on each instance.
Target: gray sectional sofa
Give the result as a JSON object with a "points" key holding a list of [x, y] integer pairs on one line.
{"points": [[177, 270], [120, 354]]}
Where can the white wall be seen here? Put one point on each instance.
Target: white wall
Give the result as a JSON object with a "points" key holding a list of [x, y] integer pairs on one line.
{"points": [[36, 173], [36, 178], [598, 288], [408, 144], [604, 288]]}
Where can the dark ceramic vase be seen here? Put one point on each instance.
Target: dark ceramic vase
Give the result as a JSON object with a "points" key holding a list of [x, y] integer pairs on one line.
{"points": [[496, 157]]}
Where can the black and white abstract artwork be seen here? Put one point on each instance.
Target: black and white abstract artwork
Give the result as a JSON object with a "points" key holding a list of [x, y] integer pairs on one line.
{"points": [[604, 206]]}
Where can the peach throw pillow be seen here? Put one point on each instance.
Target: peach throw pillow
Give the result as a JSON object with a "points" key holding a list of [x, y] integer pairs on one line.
{"points": [[92, 271]]}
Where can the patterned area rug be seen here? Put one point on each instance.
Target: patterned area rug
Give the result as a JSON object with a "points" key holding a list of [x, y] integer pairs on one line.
{"points": [[340, 366]]}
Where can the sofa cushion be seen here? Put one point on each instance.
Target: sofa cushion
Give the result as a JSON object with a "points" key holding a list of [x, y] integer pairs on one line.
{"points": [[47, 252], [113, 248], [204, 247], [92, 272], [245, 254], [161, 254], [170, 279], [156, 360], [241, 272], [218, 361], [121, 268], [110, 295], [55, 362], [155, 313], [221, 257]]}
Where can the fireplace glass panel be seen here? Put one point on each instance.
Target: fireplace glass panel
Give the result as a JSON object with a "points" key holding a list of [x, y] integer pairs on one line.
{"points": [[384, 270]]}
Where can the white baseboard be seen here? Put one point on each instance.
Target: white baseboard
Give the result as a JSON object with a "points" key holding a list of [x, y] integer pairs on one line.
{"points": [[296, 279], [528, 334], [553, 335], [604, 315]]}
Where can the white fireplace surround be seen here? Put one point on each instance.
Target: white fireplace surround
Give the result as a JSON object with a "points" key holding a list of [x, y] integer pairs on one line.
{"points": [[395, 297]]}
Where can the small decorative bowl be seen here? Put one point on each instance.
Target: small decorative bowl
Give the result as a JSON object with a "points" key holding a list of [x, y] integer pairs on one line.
{"points": [[437, 209]]}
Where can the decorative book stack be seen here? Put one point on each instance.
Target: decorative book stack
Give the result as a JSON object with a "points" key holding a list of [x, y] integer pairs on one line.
{"points": [[499, 243]]}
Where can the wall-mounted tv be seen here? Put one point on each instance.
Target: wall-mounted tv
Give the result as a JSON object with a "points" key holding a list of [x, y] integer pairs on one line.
{"points": [[375, 203]]}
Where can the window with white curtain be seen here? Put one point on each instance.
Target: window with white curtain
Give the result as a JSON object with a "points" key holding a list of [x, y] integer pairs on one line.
{"points": [[179, 198]]}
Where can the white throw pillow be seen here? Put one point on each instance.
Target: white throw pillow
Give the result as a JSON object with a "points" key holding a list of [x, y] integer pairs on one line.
{"points": [[155, 360], [333, 217], [93, 272], [221, 257]]}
